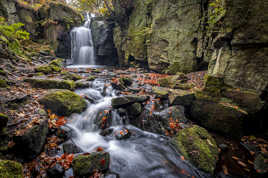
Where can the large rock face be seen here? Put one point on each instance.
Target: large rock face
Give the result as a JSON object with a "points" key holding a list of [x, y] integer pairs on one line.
{"points": [[102, 33], [51, 21], [160, 33]]}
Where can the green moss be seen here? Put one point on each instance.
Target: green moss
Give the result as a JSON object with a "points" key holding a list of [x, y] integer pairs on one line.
{"points": [[51, 84], [214, 85], [10, 169], [53, 67], [2, 72], [70, 76], [3, 83], [64, 102], [160, 92], [125, 81], [85, 165], [199, 147]]}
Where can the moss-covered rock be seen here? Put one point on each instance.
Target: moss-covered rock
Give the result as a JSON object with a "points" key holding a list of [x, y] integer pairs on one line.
{"points": [[10, 169], [161, 92], [197, 146], [3, 83], [86, 165], [51, 84], [70, 76], [181, 97], [134, 109], [54, 66], [64, 102], [2, 72]]}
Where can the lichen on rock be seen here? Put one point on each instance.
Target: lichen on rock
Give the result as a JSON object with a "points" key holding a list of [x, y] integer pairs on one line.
{"points": [[10, 169]]}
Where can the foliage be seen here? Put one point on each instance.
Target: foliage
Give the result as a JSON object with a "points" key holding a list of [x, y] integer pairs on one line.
{"points": [[216, 12], [102, 7], [13, 35]]}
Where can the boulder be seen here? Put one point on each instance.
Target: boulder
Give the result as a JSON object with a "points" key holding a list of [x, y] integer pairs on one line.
{"points": [[30, 144], [64, 102], [169, 120], [134, 109], [86, 165], [198, 146], [53, 67], [125, 101], [70, 76], [221, 116], [70, 148], [51, 83], [181, 97], [10, 169], [260, 163], [161, 92]]}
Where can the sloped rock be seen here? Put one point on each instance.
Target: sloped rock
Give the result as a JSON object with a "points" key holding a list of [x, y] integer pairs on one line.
{"points": [[197, 146], [51, 84], [30, 144], [63, 102], [181, 97], [125, 101], [161, 92], [86, 165]]}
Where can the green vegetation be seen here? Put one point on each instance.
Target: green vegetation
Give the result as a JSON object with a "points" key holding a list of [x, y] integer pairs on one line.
{"points": [[13, 35], [10, 169]]}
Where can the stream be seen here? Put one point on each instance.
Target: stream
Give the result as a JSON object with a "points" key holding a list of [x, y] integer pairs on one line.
{"points": [[142, 154]]}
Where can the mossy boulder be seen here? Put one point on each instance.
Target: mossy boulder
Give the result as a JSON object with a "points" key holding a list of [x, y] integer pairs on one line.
{"points": [[181, 97], [70, 76], [10, 169], [51, 84], [160, 92], [134, 109], [64, 102], [175, 82], [86, 165], [3, 83], [30, 144], [54, 66], [198, 146]]}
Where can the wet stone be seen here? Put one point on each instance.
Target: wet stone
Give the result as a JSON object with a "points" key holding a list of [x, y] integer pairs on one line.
{"points": [[122, 133], [55, 171], [70, 148]]}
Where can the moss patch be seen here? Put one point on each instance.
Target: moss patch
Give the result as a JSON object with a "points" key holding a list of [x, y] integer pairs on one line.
{"points": [[64, 102], [196, 145], [10, 169], [3, 83], [53, 67]]}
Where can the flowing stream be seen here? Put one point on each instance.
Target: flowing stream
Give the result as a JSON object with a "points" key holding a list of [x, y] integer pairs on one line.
{"points": [[82, 49], [142, 155]]}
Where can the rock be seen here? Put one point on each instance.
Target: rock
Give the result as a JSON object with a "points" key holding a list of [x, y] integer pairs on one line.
{"points": [[30, 144], [64, 102], [125, 81], [161, 92], [70, 76], [64, 133], [86, 165], [125, 101], [10, 169], [3, 83], [53, 67], [81, 84], [134, 109], [18, 101], [70, 148], [56, 171], [175, 82], [260, 163], [168, 120], [122, 133], [197, 146], [51, 84], [222, 116], [91, 78], [181, 97], [102, 33], [3, 120], [2, 72]]}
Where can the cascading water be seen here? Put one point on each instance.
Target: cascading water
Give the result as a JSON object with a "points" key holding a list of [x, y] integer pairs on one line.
{"points": [[82, 50], [142, 155]]}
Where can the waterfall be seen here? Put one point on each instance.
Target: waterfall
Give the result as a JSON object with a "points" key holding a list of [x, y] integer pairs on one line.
{"points": [[82, 52]]}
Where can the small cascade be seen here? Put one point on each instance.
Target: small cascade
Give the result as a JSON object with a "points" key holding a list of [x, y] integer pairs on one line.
{"points": [[82, 51]]}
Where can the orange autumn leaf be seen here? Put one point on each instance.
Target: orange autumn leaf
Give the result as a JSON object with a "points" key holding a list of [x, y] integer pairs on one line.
{"points": [[182, 158], [100, 149]]}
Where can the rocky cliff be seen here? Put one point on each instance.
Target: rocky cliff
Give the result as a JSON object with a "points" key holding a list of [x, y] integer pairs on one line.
{"points": [[227, 37], [51, 21]]}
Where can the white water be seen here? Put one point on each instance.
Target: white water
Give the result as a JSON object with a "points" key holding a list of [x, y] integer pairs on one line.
{"points": [[82, 50], [143, 155]]}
